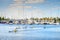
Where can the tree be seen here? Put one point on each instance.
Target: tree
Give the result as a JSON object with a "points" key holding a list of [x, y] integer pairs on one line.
{"points": [[32, 18], [36, 19], [58, 20], [54, 20], [2, 18]]}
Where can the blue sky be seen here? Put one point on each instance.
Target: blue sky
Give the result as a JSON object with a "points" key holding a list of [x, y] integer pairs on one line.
{"points": [[16, 9]]}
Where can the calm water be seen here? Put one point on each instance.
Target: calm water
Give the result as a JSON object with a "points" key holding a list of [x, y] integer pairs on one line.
{"points": [[32, 32]]}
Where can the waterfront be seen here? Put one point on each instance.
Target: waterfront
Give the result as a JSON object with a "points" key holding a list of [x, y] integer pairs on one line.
{"points": [[51, 32], [29, 19]]}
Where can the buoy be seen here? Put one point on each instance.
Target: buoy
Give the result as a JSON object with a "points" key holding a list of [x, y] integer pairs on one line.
{"points": [[15, 30]]}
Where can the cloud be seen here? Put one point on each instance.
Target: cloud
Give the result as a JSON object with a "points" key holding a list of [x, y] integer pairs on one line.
{"points": [[19, 7], [19, 3], [16, 4], [15, 10], [35, 1], [28, 1]]}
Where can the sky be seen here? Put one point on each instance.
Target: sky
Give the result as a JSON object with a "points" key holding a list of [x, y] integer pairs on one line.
{"points": [[20, 9]]}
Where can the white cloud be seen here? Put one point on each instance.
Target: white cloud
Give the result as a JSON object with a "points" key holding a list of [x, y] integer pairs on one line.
{"points": [[29, 1], [19, 3], [15, 10], [35, 1], [19, 7]]}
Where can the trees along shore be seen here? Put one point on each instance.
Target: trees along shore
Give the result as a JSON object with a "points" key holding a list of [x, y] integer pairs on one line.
{"points": [[45, 19]]}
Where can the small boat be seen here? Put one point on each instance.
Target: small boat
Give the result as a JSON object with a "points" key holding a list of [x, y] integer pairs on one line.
{"points": [[25, 27], [44, 27], [10, 31], [17, 27], [45, 23], [13, 31]]}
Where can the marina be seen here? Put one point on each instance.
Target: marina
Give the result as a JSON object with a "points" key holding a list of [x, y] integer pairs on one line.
{"points": [[29, 19], [32, 32]]}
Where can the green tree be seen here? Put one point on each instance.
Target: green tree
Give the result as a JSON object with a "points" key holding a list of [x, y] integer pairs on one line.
{"points": [[54, 20], [58, 19], [32, 18], [2, 18], [36, 19]]}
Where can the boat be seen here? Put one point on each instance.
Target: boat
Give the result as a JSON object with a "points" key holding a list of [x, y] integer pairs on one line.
{"points": [[13, 31], [46, 23], [54, 23], [44, 27], [17, 27]]}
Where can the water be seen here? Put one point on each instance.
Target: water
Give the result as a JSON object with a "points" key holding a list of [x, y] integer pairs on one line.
{"points": [[31, 32]]}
